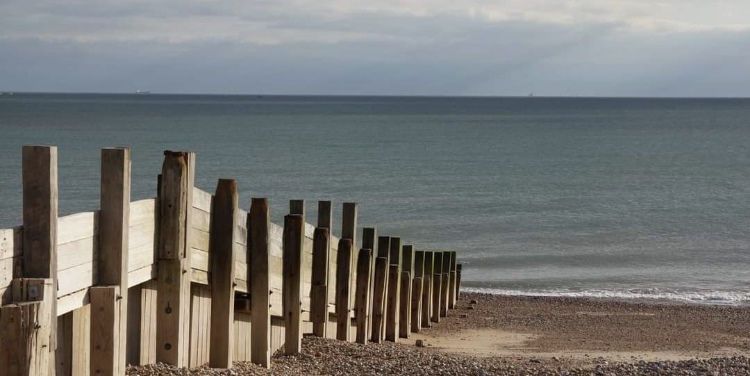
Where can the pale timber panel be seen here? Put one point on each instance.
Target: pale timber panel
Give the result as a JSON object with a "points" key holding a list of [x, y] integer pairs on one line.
{"points": [[201, 200], [71, 302], [242, 339], [332, 265], [141, 234], [200, 328], [142, 275], [76, 278], [11, 242], [199, 239], [11, 256], [77, 226], [201, 220], [277, 334], [142, 211]]}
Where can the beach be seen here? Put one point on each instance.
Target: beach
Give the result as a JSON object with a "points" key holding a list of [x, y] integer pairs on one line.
{"points": [[520, 335]]}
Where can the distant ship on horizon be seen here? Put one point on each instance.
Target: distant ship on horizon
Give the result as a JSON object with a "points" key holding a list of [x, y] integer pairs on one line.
{"points": [[142, 92]]}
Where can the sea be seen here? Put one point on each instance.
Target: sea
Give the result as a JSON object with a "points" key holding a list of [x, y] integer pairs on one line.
{"points": [[599, 197]]}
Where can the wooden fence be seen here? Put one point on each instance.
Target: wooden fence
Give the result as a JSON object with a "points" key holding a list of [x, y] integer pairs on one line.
{"points": [[189, 278]]}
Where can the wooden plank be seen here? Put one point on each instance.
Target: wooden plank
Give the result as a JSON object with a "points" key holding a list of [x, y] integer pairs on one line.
{"points": [[132, 352], [39, 164], [200, 332], [452, 287], [26, 339], [142, 275], [223, 216], [77, 226], [173, 280], [378, 301], [11, 242], [76, 278], [72, 302], [200, 220], [325, 215], [437, 259], [149, 305], [391, 323], [416, 297], [445, 282], [369, 241], [199, 239], [363, 295], [78, 252], [63, 355], [105, 345], [349, 222], [343, 286], [407, 265], [293, 240], [458, 280], [201, 200], [404, 327], [259, 254], [319, 291], [143, 211], [426, 301]]}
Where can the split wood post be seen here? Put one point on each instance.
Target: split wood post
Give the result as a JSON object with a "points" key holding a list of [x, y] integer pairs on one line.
{"points": [[452, 287], [427, 289], [391, 323], [378, 300], [28, 338], [109, 301], [394, 292], [405, 312], [416, 293], [458, 280], [294, 236], [349, 214], [259, 219], [384, 250], [437, 285], [319, 292], [369, 241], [173, 279], [223, 236], [362, 295], [445, 284], [407, 265], [343, 288]]}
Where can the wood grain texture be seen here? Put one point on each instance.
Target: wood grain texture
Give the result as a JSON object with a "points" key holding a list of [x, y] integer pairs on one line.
{"points": [[416, 305], [404, 327], [292, 283], [259, 251], [392, 316], [363, 295], [319, 290], [378, 301], [343, 287]]}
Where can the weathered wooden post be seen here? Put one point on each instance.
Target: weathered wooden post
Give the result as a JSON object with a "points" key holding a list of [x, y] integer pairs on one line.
{"points": [[416, 292], [350, 213], [407, 265], [458, 280], [362, 295], [109, 300], [369, 241], [224, 214], [446, 283], [384, 250], [319, 278], [452, 287], [378, 301], [294, 236], [437, 284], [259, 219], [173, 279], [394, 291], [343, 287], [427, 289]]}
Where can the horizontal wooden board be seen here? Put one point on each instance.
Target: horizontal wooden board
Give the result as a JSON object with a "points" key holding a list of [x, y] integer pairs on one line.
{"points": [[77, 252], [200, 219], [201, 200], [6, 271], [142, 275], [199, 260], [240, 252], [199, 239], [77, 226], [276, 239], [140, 257], [71, 302], [11, 242], [199, 276], [76, 278], [142, 211]]}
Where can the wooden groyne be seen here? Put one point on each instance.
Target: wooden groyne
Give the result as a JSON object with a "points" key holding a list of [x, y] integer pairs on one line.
{"points": [[189, 278]]}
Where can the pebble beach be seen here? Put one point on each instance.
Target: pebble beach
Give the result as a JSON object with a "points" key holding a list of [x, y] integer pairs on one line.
{"points": [[503, 335]]}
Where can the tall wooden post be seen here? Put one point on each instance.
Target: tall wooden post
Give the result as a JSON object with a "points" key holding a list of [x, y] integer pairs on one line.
{"points": [[362, 295], [445, 284], [427, 289], [29, 327], [452, 287], [378, 300], [320, 262], [369, 241], [407, 265], [384, 250], [437, 285], [259, 219], [394, 291], [109, 301], [173, 280], [224, 214], [416, 295], [294, 233], [458, 280], [343, 289]]}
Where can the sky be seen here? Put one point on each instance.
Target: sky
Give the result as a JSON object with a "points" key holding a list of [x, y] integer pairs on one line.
{"points": [[693, 48]]}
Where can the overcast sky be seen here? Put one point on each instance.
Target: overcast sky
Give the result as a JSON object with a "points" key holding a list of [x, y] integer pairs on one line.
{"points": [[384, 47]]}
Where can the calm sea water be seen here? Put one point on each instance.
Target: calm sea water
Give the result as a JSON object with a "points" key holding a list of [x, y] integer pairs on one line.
{"points": [[563, 196]]}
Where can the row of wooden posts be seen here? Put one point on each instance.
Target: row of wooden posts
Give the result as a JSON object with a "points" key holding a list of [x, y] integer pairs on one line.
{"points": [[383, 291]]}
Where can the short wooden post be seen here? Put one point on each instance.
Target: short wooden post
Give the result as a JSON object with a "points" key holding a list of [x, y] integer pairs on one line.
{"points": [[427, 290], [369, 241], [325, 215], [378, 300], [416, 294], [445, 284], [437, 285], [391, 323], [384, 250], [319, 291], [407, 265], [458, 280], [349, 222], [404, 327], [297, 207], [173, 279], [394, 292], [452, 287], [224, 214], [343, 288], [109, 302], [362, 295], [29, 330], [259, 219], [294, 232]]}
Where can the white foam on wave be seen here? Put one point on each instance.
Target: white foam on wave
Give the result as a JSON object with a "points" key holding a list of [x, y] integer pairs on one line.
{"points": [[733, 298]]}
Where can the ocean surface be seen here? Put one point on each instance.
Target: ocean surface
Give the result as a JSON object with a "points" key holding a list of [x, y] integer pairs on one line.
{"points": [[628, 198]]}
